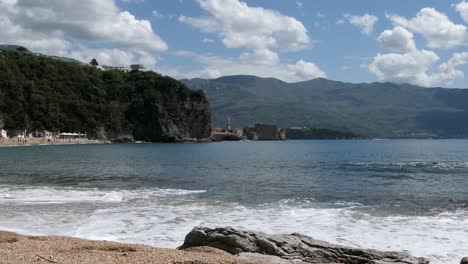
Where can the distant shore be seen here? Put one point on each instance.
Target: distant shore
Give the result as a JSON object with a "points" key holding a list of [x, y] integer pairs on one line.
{"points": [[43, 141], [66, 250]]}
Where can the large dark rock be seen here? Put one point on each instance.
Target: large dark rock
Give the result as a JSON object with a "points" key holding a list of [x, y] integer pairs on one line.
{"points": [[122, 138], [464, 260], [185, 120], [294, 248]]}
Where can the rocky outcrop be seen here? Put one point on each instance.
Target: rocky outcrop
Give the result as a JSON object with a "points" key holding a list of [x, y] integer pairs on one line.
{"points": [[182, 119], [464, 260], [108, 105], [293, 248], [122, 138]]}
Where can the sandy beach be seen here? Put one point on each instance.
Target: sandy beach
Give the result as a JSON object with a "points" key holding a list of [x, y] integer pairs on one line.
{"points": [[16, 249], [44, 141]]}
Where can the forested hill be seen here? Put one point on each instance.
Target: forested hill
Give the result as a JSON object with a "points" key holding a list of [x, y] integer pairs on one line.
{"points": [[40, 93], [376, 109]]}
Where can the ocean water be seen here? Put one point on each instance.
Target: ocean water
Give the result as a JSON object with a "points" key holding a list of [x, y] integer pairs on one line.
{"points": [[383, 194]]}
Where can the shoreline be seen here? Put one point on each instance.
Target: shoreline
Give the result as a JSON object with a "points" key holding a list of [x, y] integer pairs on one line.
{"points": [[15, 142], [16, 248], [202, 245]]}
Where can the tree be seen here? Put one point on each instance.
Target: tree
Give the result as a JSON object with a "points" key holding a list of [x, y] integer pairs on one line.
{"points": [[94, 62]]}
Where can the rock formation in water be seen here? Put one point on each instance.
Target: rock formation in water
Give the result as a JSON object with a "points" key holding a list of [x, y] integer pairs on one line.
{"points": [[293, 248], [39, 93]]}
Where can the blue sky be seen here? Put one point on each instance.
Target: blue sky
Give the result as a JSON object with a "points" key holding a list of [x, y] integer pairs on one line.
{"points": [[419, 42]]}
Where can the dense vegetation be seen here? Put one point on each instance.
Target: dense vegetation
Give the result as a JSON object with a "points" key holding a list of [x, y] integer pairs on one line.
{"points": [[375, 110], [40, 93], [319, 133]]}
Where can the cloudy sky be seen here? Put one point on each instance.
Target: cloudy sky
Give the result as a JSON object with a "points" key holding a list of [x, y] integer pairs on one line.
{"points": [[422, 42]]}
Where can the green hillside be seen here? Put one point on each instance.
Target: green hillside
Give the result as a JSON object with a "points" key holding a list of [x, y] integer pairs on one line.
{"points": [[375, 109], [42, 93]]}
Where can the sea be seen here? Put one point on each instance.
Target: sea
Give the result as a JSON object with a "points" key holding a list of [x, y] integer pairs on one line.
{"points": [[403, 195]]}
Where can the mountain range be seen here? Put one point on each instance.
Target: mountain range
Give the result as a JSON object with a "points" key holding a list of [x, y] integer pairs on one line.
{"points": [[386, 110]]}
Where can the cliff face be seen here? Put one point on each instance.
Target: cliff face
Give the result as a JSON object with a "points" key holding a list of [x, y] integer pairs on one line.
{"points": [[38, 93], [175, 122]]}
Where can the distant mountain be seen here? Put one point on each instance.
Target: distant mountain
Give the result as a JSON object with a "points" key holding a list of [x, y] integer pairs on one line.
{"points": [[14, 48], [22, 49], [375, 109]]}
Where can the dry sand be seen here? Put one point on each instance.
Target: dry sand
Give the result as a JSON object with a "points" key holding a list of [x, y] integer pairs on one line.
{"points": [[15, 249]]}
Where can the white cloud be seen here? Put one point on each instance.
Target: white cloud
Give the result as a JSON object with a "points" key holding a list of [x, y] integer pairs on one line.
{"points": [[69, 28], [410, 67], [214, 66], [96, 21], [340, 22], [304, 70], [398, 39], [205, 25], [299, 4], [114, 57], [133, 1], [156, 14], [462, 9], [255, 28], [261, 56], [435, 27], [448, 71], [420, 67], [208, 40], [365, 22], [415, 67]]}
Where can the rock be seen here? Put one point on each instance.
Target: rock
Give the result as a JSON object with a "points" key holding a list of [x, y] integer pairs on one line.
{"points": [[206, 140], [122, 138], [180, 119], [464, 260], [295, 248], [268, 258]]}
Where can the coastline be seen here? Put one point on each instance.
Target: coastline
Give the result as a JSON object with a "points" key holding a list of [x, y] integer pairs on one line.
{"points": [[67, 250], [201, 246], [16, 142]]}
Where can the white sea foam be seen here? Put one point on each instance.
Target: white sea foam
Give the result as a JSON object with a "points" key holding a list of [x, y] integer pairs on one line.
{"points": [[442, 165], [37, 195], [163, 217]]}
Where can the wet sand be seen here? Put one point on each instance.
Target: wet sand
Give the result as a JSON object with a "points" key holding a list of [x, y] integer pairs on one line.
{"points": [[15, 249]]}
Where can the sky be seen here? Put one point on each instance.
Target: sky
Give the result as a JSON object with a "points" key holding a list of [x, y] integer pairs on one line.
{"points": [[422, 42]]}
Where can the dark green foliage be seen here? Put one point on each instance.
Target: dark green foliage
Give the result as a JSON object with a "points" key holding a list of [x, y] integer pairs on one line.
{"points": [[38, 93], [319, 133], [375, 109], [94, 62], [21, 49]]}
